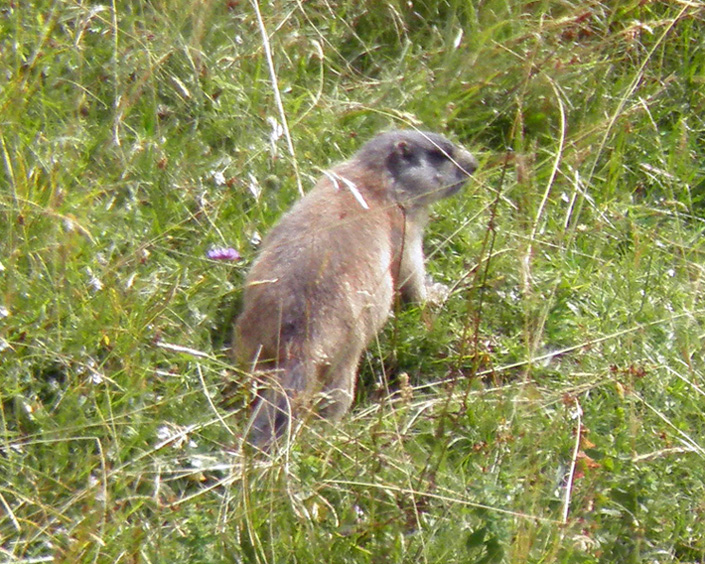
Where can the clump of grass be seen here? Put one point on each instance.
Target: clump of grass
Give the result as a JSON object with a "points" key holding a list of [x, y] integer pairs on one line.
{"points": [[550, 411]]}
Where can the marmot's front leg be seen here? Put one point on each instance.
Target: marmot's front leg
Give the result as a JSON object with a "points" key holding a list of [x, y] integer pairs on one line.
{"points": [[412, 273], [416, 286]]}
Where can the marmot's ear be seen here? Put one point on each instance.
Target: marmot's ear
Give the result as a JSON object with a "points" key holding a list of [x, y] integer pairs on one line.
{"points": [[402, 148]]}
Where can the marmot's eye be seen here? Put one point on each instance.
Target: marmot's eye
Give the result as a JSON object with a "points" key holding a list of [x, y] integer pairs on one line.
{"points": [[438, 156]]}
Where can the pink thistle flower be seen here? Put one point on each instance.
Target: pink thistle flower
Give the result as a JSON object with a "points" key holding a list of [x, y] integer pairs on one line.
{"points": [[222, 253]]}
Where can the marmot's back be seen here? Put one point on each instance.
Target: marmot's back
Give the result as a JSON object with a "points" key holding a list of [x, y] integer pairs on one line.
{"points": [[322, 273]]}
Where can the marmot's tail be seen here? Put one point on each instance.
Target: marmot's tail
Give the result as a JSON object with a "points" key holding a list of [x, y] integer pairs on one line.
{"points": [[275, 408]]}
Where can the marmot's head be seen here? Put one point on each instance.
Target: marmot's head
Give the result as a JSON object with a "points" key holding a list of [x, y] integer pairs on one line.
{"points": [[424, 167]]}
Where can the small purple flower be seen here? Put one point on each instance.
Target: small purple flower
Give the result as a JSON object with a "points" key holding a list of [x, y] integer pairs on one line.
{"points": [[223, 253]]}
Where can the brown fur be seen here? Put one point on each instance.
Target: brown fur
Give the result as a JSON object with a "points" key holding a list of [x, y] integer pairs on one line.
{"points": [[324, 282]]}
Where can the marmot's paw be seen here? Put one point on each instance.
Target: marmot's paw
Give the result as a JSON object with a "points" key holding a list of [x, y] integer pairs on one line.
{"points": [[436, 292]]}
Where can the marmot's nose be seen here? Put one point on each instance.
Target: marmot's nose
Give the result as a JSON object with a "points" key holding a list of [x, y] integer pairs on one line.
{"points": [[466, 161]]}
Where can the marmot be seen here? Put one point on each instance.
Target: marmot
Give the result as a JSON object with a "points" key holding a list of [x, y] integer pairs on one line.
{"points": [[324, 282]]}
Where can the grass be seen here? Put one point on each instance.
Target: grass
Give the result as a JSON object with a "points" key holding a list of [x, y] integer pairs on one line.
{"points": [[550, 411]]}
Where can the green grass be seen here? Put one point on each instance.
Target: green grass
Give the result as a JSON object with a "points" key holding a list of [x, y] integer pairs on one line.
{"points": [[132, 137]]}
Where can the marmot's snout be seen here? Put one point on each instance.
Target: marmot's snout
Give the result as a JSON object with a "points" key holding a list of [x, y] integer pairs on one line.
{"points": [[466, 162]]}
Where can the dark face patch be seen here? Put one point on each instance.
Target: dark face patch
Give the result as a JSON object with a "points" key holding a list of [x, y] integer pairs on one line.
{"points": [[426, 167]]}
